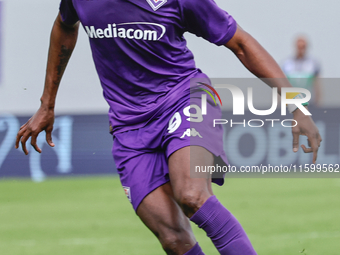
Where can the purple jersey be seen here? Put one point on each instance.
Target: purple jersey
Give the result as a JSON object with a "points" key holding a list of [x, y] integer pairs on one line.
{"points": [[140, 53]]}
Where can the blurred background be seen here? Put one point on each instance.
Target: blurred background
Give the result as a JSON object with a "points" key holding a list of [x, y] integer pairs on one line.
{"points": [[24, 41], [83, 143], [25, 29]]}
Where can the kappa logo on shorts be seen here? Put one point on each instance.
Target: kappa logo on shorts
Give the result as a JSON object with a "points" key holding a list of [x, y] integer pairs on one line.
{"points": [[191, 133], [156, 4], [127, 192]]}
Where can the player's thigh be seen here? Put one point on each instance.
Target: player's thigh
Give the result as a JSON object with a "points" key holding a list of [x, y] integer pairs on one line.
{"points": [[190, 189], [162, 215]]}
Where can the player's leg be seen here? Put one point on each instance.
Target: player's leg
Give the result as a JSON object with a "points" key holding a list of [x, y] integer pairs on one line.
{"points": [[144, 175], [162, 215], [197, 202], [190, 193]]}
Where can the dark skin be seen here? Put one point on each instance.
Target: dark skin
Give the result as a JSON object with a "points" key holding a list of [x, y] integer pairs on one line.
{"points": [[256, 59], [63, 40], [166, 210]]}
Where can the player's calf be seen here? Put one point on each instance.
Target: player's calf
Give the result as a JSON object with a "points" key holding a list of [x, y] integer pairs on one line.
{"points": [[194, 195], [223, 228], [162, 215]]}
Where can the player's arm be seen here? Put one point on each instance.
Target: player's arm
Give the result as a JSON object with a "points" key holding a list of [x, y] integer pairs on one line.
{"points": [[258, 61], [62, 42]]}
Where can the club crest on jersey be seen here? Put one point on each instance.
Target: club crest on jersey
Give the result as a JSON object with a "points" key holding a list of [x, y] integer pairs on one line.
{"points": [[156, 4], [127, 192]]}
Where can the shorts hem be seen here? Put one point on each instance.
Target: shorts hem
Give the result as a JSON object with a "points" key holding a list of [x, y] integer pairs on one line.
{"points": [[154, 186], [218, 158], [176, 148]]}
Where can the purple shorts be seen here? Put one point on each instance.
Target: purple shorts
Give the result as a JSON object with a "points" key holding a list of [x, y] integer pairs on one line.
{"points": [[141, 155]]}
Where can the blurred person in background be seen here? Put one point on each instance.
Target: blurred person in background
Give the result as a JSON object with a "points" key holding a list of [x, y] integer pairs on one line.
{"points": [[303, 70]]}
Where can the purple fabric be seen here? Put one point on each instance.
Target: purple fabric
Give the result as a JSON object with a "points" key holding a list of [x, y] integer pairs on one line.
{"points": [[196, 250], [140, 53], [223, 228], [141, 155], [68, 13]]}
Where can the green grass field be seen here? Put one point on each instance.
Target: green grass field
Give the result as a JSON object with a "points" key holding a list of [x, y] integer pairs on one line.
{"points": [[93, 216]]}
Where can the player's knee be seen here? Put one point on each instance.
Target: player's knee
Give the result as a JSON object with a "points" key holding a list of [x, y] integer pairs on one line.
{"points": [[190, 201]]}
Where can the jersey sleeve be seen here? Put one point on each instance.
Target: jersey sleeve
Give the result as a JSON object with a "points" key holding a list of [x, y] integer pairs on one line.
{"points": [[205, 19], [67, 12]]}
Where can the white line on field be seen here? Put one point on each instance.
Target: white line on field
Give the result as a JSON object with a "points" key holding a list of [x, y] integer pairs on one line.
{"points": [[84, 241], [102, 241], [337, 182], [307, 235], [26, 242]]}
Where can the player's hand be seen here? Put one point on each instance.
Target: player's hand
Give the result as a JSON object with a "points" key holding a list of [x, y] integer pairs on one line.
{"points": [[307, 127], [43, 119]]}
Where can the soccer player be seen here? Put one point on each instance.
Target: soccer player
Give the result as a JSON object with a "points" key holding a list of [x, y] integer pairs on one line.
{"points": [[304, 71], [145, 70]]}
